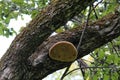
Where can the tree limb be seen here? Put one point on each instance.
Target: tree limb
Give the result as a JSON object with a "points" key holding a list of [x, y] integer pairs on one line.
{"points": [[23, 62], [96, 35], [14, 64]]}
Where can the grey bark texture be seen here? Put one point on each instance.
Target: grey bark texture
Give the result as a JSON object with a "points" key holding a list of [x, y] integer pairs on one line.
{"points": [[27, 57]]}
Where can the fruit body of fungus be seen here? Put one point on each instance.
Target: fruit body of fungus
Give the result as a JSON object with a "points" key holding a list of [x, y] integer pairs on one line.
{"points": [[63, 51]]}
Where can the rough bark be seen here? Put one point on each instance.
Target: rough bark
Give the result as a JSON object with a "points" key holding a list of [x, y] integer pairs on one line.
{"points": [[14, 64], [26, 60], [96, 35]]}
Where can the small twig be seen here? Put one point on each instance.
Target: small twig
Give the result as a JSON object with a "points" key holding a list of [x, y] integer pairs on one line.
{"points": [[81, 38], [82, 64], [80, 41], [86, 68], [66, 70], [98, 3], [114, 48], [96, 16], [79, 44]]}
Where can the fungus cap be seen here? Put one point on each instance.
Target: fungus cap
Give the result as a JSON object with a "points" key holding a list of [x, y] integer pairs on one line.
{"points": [[63, 51]]}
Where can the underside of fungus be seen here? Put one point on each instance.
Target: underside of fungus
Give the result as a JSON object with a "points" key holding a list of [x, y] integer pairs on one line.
{"points": [[63, 51]]}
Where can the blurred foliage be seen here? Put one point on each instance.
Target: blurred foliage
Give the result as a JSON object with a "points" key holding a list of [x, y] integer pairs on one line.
{"points": [[102, 64], [11, 9], [106, 65]]}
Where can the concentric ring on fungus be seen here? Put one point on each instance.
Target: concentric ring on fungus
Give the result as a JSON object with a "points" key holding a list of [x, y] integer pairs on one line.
{"points": [[63, 51]]}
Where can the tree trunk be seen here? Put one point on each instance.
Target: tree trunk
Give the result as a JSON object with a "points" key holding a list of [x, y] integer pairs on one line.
{"points": [[27, 58]]}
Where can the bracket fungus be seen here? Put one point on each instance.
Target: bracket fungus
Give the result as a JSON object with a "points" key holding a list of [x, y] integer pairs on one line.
{"points": [[63, 51]]}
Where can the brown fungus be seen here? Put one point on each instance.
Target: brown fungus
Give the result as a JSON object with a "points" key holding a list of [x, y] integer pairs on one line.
{"points": [[63, 51]]}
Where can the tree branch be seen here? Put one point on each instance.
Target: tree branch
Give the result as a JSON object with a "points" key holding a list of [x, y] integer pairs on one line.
{"points": [[14, 64], [96, 35], [19, 64]]}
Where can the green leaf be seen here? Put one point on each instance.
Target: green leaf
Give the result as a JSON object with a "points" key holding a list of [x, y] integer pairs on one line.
{"points": [[18, 1], [61, 29], [106, 77], [101, 54]]}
